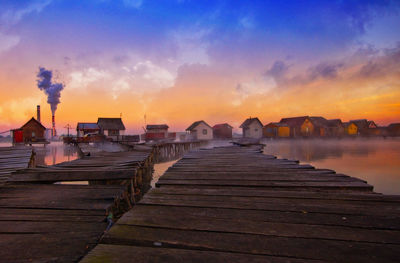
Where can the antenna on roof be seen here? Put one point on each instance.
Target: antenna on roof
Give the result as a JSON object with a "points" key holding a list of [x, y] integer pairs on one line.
{"points": [[120, 115]]}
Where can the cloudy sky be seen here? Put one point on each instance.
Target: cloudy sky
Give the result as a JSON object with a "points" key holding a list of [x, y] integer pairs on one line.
{"points": [[179, 61]]}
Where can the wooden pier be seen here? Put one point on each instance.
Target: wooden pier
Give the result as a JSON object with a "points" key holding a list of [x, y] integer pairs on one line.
{"points": [[235, 204], [45, 222], [14, 158]]}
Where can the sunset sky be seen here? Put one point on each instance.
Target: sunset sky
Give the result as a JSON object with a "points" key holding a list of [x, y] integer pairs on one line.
{"points": [[179, 61]]}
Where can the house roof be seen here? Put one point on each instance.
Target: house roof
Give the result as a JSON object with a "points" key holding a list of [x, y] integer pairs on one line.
{"points": [[111, 124], [87, 126], [249, 121], [222, 125], [319, 121], [195, 124], [156, 126], [34, 120], [294, 121], [334, 123], [276, 124]]}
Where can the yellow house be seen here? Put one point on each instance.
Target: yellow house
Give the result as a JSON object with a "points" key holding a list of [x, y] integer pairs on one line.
{"points": [[299, 126], [350, 128], [275, 129]]}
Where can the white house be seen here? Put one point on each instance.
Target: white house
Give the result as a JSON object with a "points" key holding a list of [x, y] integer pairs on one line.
{"points": [[200, 130], [252, 128]]}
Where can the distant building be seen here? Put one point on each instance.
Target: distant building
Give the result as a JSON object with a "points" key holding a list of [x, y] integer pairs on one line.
{"points": [[200, 130], [335, 128], [350, 128], [111, 127], [299, 126], [252, 128], [84, 128], [222, 131], [156, 132], [320, 126], [393, 129], [276, 130], [31, 132], [365, 127]]}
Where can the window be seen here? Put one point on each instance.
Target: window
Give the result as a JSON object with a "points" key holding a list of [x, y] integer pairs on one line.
{"points": [[204, 131], [256, 130], [33, 134]]}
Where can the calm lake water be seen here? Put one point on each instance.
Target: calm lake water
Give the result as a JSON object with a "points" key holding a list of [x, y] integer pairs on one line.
{"points": [[53, 153], [376, 161]]}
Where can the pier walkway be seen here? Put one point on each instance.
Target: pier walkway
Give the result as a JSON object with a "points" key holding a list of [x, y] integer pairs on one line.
{"points": [[235, 204]]}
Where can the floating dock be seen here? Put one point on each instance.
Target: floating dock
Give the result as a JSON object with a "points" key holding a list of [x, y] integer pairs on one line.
{"points": [[235, 204]]}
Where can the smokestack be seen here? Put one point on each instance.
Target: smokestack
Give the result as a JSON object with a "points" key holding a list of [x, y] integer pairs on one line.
{"points": [[53, 130], [38, 113]]}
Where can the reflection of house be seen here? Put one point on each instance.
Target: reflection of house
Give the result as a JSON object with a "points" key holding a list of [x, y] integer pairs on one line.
{"points": [[222, 131], [252, 128], [334, 128], [276, 129], [350, 128], [84, 128], [299, 126], [155, 132], [111, 127], [200, 130], [31, 132], [393, 129]]}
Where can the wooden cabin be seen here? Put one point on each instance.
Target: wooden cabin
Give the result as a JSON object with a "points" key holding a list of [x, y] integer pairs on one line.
{"points": [[393, 129], [350, 128], [222, 131], [320, 126], [276, 130], [252, 128], [156, 132], [299, 126], [200, 130], [365, 127], [86, 128], [31, 132], [334, 128], [111, 127]]}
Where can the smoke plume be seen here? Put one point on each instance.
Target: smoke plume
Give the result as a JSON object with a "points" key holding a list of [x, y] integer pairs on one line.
{"points": [[52, 90]]}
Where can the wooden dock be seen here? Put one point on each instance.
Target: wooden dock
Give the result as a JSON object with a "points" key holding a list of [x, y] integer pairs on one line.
{"points": [[235, 204], [45, 222], [12, 159]]}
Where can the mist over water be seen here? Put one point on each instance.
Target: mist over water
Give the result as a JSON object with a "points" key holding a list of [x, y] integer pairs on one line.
{"points": [[376, 161]]}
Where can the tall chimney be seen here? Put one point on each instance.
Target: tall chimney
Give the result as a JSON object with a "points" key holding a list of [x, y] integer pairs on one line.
{"points": [[38, 113], [53, 131]]}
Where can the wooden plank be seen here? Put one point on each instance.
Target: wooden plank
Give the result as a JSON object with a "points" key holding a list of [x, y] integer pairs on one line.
{"points": [[359, 221], [247, 226], [121, 253], [348, 185], [320, 249], [302, 208]]}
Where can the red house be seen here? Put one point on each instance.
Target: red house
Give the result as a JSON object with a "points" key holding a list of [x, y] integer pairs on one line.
{"points": [[31, 132], [156, 132], [222, 131]]}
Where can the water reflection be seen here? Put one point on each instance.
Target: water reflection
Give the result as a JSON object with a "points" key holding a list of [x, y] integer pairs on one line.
{"points": [[55, 152], [375, 160], [159, 169]]}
